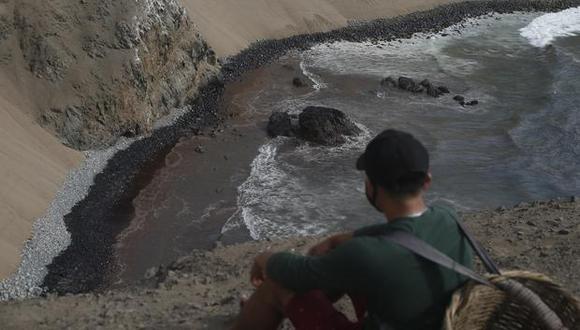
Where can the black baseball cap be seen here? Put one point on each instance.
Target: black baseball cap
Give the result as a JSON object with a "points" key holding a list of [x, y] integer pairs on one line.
{"points": [[392, 157]]}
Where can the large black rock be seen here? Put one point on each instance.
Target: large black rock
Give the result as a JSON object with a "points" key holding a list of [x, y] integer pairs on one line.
{"points": [[280, 124], [326, 126], [320, 125]]}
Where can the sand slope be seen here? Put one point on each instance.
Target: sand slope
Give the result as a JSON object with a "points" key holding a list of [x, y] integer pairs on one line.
{"points": [[74, 69], [33, 165], [231, 25]]}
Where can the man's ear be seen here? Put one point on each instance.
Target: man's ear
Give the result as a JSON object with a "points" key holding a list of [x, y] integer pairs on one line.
{"points": [[428, 181], [368, 186]]}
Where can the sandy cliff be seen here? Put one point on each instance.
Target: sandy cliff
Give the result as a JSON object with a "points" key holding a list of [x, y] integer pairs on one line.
{"points": [[33, 164], [231, 25], [82, 74]]}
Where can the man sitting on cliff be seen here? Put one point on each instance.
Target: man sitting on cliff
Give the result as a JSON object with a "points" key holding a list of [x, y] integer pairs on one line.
{"points": [[390, 287]]}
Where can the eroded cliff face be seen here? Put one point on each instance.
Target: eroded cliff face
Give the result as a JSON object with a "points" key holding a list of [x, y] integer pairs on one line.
{"points": [[100, 69]]}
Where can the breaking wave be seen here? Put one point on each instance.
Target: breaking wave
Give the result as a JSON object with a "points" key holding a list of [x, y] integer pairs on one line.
{"points": [[543, 30], [273, 191]]}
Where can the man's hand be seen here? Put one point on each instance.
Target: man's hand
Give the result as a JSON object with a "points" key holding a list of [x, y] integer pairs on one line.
{"points": [[329, 244], [258, 273]]}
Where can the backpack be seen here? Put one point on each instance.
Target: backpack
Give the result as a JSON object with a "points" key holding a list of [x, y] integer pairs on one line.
{"points": [[499, 300]]}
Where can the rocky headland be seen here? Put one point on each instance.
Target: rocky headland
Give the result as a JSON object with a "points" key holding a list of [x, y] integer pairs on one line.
{"points": [[105, 68]]}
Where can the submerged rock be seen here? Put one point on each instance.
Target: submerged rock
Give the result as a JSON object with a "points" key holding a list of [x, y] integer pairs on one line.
{"points": [[280, 124], [298, 82], [459, 98], [389, 82], [425, 83], [320, 125], [410, 85], [407, 84], [433, 91]]}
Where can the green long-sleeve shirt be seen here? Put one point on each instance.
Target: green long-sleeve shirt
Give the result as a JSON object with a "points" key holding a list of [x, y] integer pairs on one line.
{"points": [[402, 289]]}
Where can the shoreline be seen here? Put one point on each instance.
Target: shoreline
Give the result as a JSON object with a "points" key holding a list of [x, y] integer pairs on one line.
{"points": [[93, 236]]}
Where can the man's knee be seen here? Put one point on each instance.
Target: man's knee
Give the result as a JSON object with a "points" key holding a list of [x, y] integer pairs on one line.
{"points": [[274, 294]]}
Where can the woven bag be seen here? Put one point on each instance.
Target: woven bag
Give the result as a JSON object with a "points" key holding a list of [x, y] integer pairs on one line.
{"points": [[507, 306]]}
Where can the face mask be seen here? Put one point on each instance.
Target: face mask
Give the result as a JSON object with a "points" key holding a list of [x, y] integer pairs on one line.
{"points": [[373, 199]]}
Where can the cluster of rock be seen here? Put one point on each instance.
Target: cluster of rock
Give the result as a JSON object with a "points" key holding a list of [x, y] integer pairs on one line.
{"points": [[107, 67], [461, 100], [425, 86], [319, 125], [410, 85]]}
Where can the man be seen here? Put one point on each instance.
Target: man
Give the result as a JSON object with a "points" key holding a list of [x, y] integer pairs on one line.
{"points": [[390, 287]]}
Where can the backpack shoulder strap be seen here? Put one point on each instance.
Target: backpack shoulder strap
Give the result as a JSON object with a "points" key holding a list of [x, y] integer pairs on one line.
{"points": [[489, 264], [421, 248]]}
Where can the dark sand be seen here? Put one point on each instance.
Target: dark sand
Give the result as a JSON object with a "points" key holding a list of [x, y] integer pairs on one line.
{"points": [[164, 225]]}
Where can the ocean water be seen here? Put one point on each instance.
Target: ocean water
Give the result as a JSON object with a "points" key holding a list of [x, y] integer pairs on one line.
{"points": [[521, 143]]}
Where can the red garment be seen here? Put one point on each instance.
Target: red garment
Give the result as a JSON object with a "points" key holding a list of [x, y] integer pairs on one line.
{"points": [[314, 311]]}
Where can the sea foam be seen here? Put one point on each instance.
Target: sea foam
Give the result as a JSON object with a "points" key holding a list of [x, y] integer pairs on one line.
{"points": [[543, 30]]}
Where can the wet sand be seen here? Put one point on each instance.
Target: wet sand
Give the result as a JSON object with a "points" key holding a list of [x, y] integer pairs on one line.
{"points": [[170, 216]]}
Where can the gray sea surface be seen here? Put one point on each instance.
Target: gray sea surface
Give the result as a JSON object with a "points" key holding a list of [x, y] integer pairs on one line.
{"points": [[520, 143]]}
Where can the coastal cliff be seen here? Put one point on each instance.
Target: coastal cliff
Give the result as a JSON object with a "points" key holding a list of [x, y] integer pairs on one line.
{"points": [[76, 76], [104, 69]]}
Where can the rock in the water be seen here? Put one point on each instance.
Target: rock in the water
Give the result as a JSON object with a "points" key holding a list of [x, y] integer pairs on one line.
{"points": [[417, 89], [472, 103], [326, 126], [298, 82], [444, 90], [459, 98], [410, 85], [407, 84], [280, 124], [433, 91], [389, 82]]}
